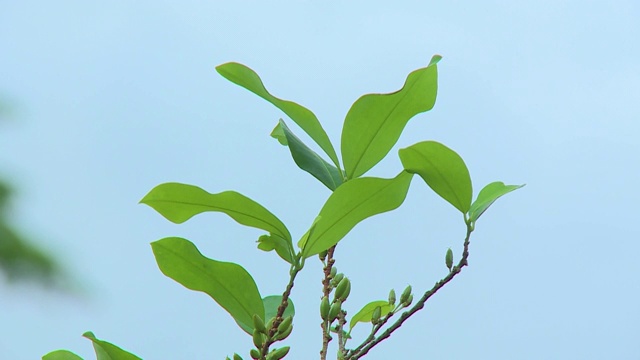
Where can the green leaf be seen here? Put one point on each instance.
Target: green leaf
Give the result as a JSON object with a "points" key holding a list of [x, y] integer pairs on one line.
{"points": [[375, 121], [271, 304], [351, 203], [108, 351], [364, 315], [61, 355], [274, 242], [179, 202], [487, 196], [442, 169], [229, 284], [248, 79], [307, 159], [303, 240]]}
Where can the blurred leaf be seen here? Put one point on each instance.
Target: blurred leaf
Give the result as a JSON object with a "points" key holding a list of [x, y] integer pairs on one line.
{"points": [[19, 260], [61, 355], [179, 202], [248, 79], [375, 121], [5, 191], [307, 159], [442, 169], [107, 351], [274, 242], [229, 284], [364, 315], [487, 196], [351, 203]]}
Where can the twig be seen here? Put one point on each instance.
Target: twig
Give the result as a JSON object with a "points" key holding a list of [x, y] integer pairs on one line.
{"points": [[363, 350], [283, 306], [341, 338], [326, 290]]}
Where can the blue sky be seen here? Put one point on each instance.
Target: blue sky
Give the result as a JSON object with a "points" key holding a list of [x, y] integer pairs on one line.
{"points": [[111, 99]]}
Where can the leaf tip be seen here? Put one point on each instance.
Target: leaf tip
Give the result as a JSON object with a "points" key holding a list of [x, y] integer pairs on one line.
{"points": [[435, 59]]}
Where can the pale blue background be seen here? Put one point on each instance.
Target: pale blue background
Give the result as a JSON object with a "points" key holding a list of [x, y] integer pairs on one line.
{"points": [[113, 98]]}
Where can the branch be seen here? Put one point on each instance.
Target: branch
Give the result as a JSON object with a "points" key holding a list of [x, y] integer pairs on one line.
{"points": [[283, 306], [363, 350], [326, 290]]}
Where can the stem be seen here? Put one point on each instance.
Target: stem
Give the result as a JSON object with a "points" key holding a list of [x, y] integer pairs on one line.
{"points": [[326, 291], [295, 269], [370, 342], [341, 339]]}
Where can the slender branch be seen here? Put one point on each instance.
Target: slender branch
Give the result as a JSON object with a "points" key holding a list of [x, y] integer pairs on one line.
{"points": [[326, 290], [372, 335], [281, 308], [341, 339], [361, 351]]}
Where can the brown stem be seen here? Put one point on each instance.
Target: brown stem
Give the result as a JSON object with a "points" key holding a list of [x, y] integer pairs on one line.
{"points": [[276, 322], [326, 291]]}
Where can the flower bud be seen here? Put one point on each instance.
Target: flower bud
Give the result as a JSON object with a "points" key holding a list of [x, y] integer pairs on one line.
{"points": [[323, 255], [343, 289], [255, 354], [324, 308], [409, 301], [258, 324], [336, 279], [270, 323], [335, 310], [392, 297], [405, 295], [236, 357], [375, 317], [333, 272], [278, 353], [285, 324], [448, 259], [284, 334], [258, 338]]}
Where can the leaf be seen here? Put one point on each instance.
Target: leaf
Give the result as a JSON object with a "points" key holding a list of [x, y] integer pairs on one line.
{"points": [[180, 202], [307, 159], [303, 240], [364, 315], [487, 196], [274, 242], [442, 169], [271, 304], [61, 355], [375, 121], [108, 351], [229, 284], [351, 203], [248, 79]]}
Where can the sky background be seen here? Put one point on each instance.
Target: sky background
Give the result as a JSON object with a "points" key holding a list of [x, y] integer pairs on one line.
{"points": [[113, 98]]}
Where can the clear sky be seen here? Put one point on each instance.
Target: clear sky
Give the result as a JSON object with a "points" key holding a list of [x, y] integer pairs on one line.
{"points": [[113, 98]]}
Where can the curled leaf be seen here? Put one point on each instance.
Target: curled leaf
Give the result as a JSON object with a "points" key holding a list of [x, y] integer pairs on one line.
{"points": [[307, 159]]}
